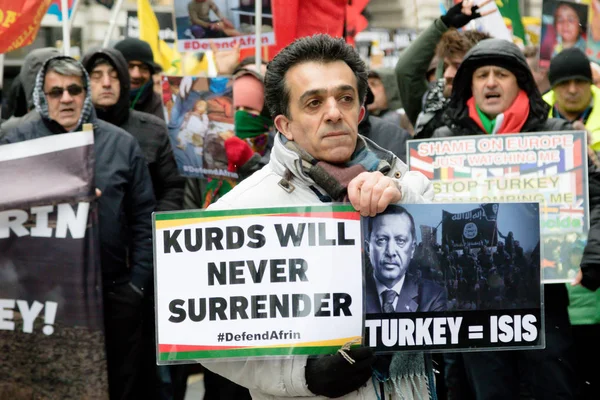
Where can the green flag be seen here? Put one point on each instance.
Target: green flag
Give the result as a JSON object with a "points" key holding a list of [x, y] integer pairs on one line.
{"points": [[510, 9]]}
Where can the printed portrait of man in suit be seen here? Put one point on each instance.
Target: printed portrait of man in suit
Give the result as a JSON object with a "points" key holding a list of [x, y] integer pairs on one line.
{"points": [[390, 245]]}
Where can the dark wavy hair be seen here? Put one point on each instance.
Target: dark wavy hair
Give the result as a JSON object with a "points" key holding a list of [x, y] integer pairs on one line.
{"points": [[317, 48]]}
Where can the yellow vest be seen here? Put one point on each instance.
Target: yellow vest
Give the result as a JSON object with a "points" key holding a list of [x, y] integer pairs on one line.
{"points": [[593, 122]]}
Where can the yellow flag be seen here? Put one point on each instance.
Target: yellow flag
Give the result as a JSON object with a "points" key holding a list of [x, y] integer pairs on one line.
{"points": [[169, 59]]}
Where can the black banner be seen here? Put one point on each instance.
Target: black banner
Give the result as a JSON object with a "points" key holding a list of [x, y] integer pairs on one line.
{"points": [[51, 310], [474, 228]]}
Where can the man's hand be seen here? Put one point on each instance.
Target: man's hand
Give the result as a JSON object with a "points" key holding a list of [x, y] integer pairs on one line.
{"points": [[226, 60], [371, 192], [98, 193], [577, 280], [333, 376], [464, 12], [579, 126]]}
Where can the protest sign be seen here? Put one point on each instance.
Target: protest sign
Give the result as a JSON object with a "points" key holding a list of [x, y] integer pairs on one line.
{"points": [[20, 22], [549, 168], [165, 23], [51, 318], [423, 296], [200, 119], [224, 23], [564, 25], [257, 282]]}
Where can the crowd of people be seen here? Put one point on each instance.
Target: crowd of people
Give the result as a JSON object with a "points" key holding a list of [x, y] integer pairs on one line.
{"points": [[316, 126], [486, 278]]}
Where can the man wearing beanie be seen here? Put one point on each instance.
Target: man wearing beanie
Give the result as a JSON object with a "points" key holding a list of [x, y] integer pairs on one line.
{"points": [[494, 92], [573, 96], [140, 60]]}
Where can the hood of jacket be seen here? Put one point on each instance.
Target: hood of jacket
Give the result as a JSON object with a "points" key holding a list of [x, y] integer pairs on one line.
{"points": [[118, 113], [504, 54], [41, 105], [32, 64], [390, 83]]}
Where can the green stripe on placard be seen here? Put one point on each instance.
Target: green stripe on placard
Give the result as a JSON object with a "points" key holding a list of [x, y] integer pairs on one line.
{"points": [[252, 352], [171, 215]]}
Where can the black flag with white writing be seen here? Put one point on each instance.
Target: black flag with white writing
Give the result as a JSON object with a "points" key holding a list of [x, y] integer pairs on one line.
{"points": [[475, 228]]}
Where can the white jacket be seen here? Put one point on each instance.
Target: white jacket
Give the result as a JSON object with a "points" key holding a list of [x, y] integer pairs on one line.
{"points": [[271, 379]]}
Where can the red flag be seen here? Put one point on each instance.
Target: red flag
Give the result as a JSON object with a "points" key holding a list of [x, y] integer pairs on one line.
{"points": [[20, 22]]}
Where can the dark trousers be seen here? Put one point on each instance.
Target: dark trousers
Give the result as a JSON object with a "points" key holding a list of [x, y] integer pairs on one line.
{"points": [[123, 322], [548, 373], [587, 343], [220, 388]]}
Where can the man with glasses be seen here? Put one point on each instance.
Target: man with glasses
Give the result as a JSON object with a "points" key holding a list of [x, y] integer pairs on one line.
{"points": [[140, 60], [62, 99]]}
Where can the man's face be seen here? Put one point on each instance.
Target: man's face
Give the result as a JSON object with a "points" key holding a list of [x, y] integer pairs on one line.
{"points": [[450, 67], [105, 84], [494, 89], [567, 24], [380, 98], [573, 96], [324, 110], [391, 247], [139, 74], [64, 106]]}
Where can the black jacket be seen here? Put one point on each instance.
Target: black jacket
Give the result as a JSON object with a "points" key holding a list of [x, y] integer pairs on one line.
{"points": [[150, 131], [415, 296], [127, 200], [150, 102], [387, 135], [590, 263]]}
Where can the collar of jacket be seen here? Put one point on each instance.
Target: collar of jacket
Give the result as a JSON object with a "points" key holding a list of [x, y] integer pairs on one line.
{"points": [[285, 161]]}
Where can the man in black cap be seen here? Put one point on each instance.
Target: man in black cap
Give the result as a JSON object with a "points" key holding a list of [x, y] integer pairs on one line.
{"points": [[140, 60], [573, 96]]}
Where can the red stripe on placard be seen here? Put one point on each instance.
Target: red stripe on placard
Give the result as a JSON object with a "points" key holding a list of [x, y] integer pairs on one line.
{"points": [[175, 348], [353, 215], [577, 159]]}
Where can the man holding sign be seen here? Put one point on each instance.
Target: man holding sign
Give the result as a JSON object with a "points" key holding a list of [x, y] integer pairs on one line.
{"points": [[315, 89], [63, 101], [494, 93]]}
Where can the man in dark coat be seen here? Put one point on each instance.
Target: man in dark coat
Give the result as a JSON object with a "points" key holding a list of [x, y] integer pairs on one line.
{"points": [[494, 93], [110, 95], [110, 85], [140, 61], [62, 99]]}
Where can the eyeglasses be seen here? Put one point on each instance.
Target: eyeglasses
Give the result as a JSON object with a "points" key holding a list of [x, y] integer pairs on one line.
{"points": [[57, 92]]}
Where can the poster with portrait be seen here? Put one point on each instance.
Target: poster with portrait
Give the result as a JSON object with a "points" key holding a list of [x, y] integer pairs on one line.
{"points": [[593, 43], [225, 23], [545, 167], [437, 277], [200, 119], [564, 25]]}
